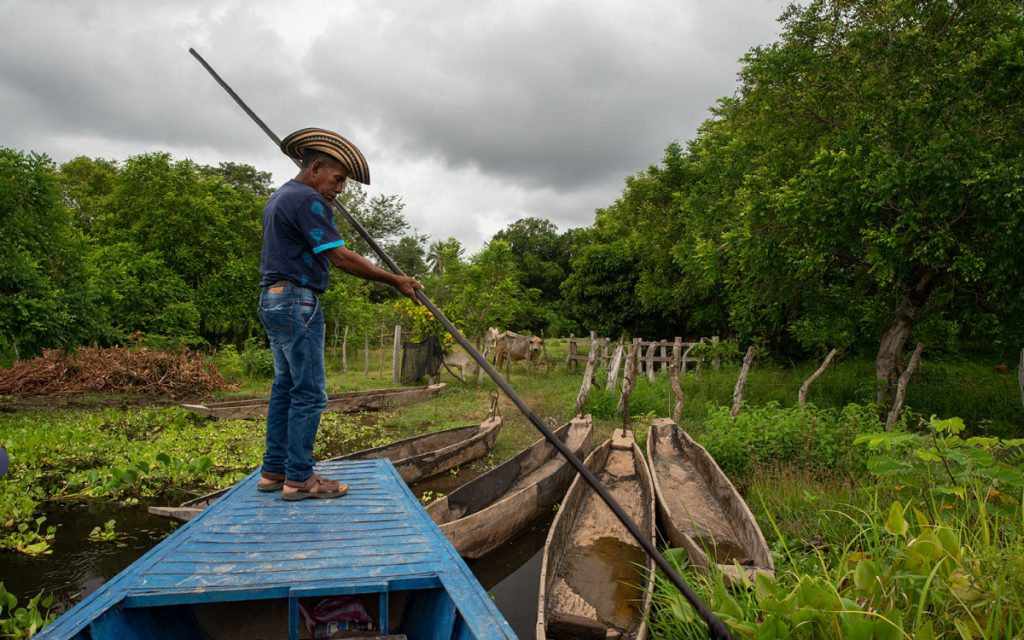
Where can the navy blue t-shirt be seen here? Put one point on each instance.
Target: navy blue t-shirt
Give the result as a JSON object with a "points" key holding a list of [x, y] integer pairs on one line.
{"points": [[298, 227]]}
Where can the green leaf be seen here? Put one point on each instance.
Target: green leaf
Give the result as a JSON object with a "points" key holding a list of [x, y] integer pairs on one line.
{"points": [[866, 575], [951, 425], [896, 524]]}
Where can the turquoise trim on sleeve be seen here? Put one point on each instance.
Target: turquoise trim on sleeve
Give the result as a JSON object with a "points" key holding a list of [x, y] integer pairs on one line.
{"points": [[329, 245]]}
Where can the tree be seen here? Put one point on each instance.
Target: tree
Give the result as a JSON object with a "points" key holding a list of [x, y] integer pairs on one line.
{"points": [[181, 241], [48, 289], [884, 161], [443, 253]]}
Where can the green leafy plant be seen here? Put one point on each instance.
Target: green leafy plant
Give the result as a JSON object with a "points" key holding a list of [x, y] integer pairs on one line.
{"points": [[817, 440], [24, 622], [949, 466], [107, 533], [28, 539], [429, 496]]}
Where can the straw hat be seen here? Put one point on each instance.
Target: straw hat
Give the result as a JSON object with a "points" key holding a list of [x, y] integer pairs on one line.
{"points": [[334, 145]]}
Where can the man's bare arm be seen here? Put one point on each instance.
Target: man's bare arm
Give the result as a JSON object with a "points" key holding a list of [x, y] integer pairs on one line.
{"points": [[352, 263]]}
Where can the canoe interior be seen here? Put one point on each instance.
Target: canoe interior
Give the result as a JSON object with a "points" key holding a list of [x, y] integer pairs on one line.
{"points": [[701, 511], [410, 613], [596, 580]]}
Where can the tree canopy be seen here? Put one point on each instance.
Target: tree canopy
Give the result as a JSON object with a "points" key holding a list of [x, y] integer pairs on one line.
{"points": [[862, 184]]}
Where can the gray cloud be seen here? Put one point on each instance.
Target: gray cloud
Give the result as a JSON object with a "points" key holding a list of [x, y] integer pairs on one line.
{"points": [[477, 113]]}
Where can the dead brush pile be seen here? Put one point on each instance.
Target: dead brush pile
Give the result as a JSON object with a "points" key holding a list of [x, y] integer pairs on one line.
{"points": [[113, 370]]}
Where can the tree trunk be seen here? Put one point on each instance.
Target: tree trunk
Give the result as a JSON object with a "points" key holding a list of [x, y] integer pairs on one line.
{"points": [[901, 387], [889, 362], [1020, 375]]}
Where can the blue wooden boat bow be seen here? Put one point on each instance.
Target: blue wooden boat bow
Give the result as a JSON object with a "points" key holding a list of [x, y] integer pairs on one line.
{"points": [[252, 549]]}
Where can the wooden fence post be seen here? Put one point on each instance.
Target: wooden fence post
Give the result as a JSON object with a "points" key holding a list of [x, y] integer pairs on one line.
{"points": [[570, 359], [716, 361], [628, 377], [344, 351], [901, 387], [613, 366], [677, 387], [588, 377], [366, 355], [801, 397], [396, 356], [650, 360], [737, 393], [686, 354]]}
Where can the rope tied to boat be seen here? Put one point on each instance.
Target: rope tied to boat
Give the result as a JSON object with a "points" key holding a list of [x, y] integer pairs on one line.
{"points": [[716, 628]]}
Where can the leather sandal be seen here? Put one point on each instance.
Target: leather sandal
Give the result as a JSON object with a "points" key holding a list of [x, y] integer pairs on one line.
{"points": [[276, 484], [316, 486]]}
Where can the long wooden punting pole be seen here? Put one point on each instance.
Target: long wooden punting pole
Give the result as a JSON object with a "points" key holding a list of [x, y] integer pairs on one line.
{"points": [[716, 628]]}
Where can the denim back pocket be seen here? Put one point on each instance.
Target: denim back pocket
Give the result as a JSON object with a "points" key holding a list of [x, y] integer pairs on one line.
{"points": [[276, 314]]}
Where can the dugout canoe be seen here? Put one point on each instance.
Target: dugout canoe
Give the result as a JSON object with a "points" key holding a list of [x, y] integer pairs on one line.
{"points": [[699, 509], [596, 580], [493, 508], [344, 402], [414, 458]]}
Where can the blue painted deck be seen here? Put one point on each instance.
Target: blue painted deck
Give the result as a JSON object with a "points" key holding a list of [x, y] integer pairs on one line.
{"points": [[249, 546]]}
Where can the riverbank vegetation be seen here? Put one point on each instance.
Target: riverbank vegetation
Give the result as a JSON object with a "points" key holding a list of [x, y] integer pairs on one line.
{"points": [[843, 504]]}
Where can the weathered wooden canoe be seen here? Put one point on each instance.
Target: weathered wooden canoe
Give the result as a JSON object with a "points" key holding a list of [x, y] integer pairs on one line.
{"points": [[493, 508], [415, 458], [345, 402], [433, 453], [596, 580], [699, 509]]}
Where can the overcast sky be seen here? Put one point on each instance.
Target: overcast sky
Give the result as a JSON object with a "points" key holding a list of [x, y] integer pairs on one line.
{"points": [[476, 113]]}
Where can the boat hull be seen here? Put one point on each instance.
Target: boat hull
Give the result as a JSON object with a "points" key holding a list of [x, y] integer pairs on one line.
{"points": [[344, 402], [596, 580], [699, 509], [493, 508]]}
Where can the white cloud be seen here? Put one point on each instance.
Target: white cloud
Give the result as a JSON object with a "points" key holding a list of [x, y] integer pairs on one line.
{"points": [[477, 113]]}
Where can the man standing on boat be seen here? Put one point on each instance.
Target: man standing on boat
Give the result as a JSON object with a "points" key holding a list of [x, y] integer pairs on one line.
{"points": [[300, 243]]}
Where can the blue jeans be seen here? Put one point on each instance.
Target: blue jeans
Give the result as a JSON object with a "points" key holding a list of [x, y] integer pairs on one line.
{"points": [[294, 322]]}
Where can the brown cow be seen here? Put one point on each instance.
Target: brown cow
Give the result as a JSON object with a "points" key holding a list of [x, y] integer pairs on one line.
{"points": [[514, 347]]}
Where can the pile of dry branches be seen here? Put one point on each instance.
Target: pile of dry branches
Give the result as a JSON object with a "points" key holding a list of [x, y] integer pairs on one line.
{"points": [[114, 370]]}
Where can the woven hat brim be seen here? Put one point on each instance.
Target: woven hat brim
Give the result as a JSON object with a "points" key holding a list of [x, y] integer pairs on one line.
{"points": [[334, 145]]}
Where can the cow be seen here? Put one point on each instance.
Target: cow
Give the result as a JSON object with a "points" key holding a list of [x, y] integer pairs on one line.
{"points": [[513, 347], [461, 360]]}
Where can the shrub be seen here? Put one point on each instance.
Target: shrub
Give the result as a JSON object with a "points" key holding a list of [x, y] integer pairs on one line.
{"points": [[257, 360], [816, 440]]}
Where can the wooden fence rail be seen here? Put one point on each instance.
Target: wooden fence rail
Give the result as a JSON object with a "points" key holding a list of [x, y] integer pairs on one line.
{"points": [[652, 355]]}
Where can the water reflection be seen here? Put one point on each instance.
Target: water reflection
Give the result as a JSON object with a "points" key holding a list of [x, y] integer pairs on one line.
{"points": [[77, 566], [511, 574]]}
